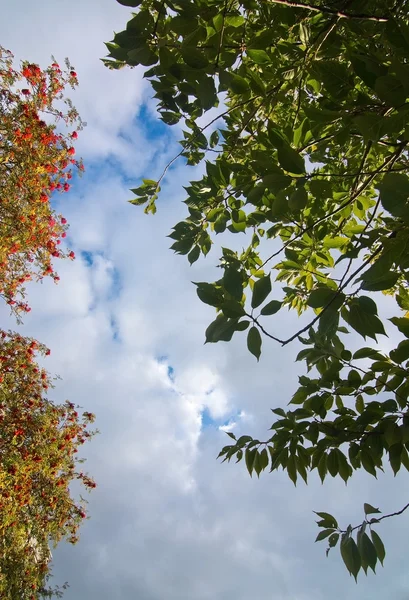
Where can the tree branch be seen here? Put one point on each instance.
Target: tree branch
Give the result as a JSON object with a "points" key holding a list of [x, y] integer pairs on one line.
{"points": [[330, 11], [200, 130], [311, 323], [374, 520], [361, 188]]}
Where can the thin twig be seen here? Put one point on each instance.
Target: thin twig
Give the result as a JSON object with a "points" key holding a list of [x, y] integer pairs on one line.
{"points": [[395, 514], [200, 130], [364, 185], [216, 64], [372, 216], [155, 27], [330, 11], [311, 323]]}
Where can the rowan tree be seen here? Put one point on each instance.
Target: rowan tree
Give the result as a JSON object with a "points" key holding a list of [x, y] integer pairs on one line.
{"points": [[39, 442], [309, 155], [39, 439], [36, 159]]}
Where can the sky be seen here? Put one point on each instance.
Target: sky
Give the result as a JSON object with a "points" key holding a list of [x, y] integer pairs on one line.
{"points": [[126, 332]]}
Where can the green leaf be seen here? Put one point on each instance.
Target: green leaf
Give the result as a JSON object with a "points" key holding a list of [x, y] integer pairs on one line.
{"points": [[209, 294], [350, 555], [194, 58], [249, 456], [257, 463], [239, 85], [276, 181], [193, 255], [220, 223], [232, 283], [332, 541], [258, 56], [324, 534], [132, 3], [402, 323], [343, 467], [394, 193], [390, 90], [401, 353], [221, 329], [360, 404], [369, 510], [292, 469], [271, 308], [261, 290], [320, 297], [365, 323], [207, 93], [322, 467], [214, 139], [290, 160], [329, 321], [254, 342], [327, 517], [304, 33], [332, 463], [367, 462], [276, 136], [244, 439], [142, 56], [298, 199], [379, 547], [235, 20], [255, 194], [385, 283], [299, 397], [232, 308], [367, 353], [242, 325], [263, 459], [335, 242], [370, 125], [368, 551], [395, 457]]}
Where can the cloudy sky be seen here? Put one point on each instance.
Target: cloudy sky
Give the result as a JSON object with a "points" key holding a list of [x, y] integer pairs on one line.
{"points": [[126, 332]]}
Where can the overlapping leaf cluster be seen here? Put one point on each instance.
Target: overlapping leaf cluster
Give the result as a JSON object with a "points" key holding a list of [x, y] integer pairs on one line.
{"points": [[309, 155]]}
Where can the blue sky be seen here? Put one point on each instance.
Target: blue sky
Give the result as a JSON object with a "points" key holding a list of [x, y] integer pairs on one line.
{"points": [[126, 333]]}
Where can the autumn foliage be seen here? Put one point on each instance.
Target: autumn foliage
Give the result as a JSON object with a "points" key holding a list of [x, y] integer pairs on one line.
{"points": [[38, 448], [36, 159], [39, 440]]}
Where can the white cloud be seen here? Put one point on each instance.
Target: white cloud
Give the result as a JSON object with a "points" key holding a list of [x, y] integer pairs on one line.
{"points": [[167, 521]]}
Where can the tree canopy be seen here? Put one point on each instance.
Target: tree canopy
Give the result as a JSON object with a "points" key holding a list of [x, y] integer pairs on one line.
{"points": [[39, 439], [35, 161], [308, 156]]}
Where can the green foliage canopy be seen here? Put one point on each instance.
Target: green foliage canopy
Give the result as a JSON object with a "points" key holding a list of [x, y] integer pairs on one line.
{"points": [[309, 153]]}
